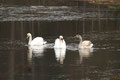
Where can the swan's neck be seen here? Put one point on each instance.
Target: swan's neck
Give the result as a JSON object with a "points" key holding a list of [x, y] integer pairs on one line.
{"points": [[80, 40], [30, 39]]}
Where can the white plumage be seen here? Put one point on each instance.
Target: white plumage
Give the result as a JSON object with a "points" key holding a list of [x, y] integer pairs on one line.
{"points": [[85, 43], [60, 42], [36, 41]]}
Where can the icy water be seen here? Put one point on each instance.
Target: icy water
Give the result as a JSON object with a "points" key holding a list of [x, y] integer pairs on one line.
{"points": [[22, 62]]}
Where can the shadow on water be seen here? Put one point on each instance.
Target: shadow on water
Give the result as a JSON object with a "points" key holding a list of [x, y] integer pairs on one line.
{"points": [[20, 61]]}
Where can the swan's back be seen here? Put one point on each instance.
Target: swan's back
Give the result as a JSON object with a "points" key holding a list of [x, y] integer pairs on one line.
{"points": [[38, 41], [86, 44]]}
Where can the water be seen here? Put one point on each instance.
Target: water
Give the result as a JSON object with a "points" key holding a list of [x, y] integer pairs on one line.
{"points": [[20, 62]]}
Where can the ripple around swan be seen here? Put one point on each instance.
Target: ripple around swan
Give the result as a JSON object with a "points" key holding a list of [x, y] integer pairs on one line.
{"points": [[118, 49], [72, 46], [72, 43], [15, 45], [12, 45], [49, 45], [8, 45]]}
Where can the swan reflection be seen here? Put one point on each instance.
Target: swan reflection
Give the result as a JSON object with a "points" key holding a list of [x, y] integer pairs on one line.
{"points": [[85, 53], [60, 54], [37, 51]]}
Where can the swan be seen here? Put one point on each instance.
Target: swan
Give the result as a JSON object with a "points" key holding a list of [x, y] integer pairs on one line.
{"points": [[85, 43], [36, 41], [60, 42]]}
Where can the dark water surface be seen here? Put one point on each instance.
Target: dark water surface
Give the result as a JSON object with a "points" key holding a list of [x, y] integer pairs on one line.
{"points": [[20, 62], [102, 62]]}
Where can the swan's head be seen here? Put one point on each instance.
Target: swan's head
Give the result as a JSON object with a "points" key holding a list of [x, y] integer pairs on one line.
{"points": [[61, 38], [28, 35], [78, 36]]}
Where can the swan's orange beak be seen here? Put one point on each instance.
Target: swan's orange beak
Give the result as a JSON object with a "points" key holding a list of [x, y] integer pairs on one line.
{"points": [[62, 41]]}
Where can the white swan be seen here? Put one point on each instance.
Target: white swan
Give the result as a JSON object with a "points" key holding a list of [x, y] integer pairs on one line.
{"points": [[60, 42], [60, 54], [36, 41], [85, 43]]}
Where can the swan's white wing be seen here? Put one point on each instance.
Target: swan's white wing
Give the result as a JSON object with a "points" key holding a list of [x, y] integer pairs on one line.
{"points": [[63, 44], [57, 43], [87, 44], [37, 41]]}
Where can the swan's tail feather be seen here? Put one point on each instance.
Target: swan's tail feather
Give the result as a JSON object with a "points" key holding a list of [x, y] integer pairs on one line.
{"points": [[91, 45], [44, 42]]}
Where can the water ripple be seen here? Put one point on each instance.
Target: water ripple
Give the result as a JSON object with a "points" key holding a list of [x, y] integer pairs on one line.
{"points": [[44, 13]]}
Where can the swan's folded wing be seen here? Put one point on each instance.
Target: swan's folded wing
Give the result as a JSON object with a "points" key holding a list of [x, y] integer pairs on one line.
{"points": [[37, 41], [86, 43], [57, 43]]}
